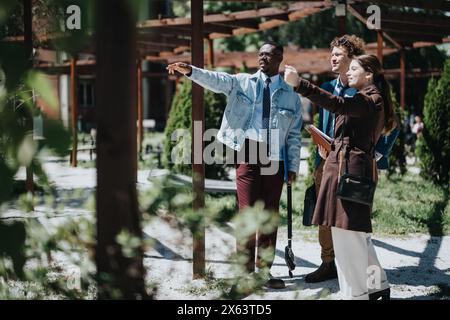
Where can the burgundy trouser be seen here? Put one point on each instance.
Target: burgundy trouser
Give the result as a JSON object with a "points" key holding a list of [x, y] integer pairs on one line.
{"points": [[251, 187]]}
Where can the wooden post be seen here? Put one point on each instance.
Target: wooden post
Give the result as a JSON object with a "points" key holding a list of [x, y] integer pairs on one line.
{"points": [[177, 84], [28, 41], [140, 133], [402, 78], [380, 46], [74, 100], [341, 21], [119, 275], [211, 53], [198, 127]]}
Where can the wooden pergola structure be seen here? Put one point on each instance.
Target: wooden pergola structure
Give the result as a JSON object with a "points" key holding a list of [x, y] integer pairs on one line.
{"points": [[170, 39], [171, 36], [404, 29], [202, 27]]}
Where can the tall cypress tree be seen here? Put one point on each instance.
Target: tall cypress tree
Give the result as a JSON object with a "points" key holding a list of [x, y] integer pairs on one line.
{"points": [[180, 118], [433, 146]]}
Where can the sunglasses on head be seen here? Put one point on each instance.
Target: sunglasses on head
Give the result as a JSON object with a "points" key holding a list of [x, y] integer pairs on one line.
{"points": [[343, 41]]}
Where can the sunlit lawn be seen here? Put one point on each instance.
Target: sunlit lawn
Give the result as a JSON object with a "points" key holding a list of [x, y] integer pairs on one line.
{"points": [[403, 205]]}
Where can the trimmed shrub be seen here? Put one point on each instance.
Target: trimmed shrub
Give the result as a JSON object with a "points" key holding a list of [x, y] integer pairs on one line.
{"points": [[180, 117], [433, 145]]}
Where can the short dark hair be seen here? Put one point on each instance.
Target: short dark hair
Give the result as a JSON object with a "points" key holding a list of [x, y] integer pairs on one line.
{"points": [[274, 44]]}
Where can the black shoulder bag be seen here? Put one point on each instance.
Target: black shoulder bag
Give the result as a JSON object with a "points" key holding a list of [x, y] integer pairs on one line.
{"points": [[352, 187], [309, 205]]}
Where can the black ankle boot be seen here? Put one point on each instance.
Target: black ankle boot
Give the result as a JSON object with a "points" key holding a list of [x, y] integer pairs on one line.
{"points": [[383, 294]]}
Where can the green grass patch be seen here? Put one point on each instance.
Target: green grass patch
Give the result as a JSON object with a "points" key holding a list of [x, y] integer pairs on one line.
{"points": [[411, 204], [403, 205]]}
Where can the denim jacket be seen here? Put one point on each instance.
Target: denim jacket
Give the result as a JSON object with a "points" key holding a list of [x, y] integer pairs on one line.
{"points": [[244, 92]]}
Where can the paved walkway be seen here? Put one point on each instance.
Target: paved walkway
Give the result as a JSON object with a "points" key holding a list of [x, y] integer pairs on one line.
{"points": [[417, 265]]}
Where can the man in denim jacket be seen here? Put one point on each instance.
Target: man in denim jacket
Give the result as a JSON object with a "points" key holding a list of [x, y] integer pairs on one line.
{"points": [[262, 117]]}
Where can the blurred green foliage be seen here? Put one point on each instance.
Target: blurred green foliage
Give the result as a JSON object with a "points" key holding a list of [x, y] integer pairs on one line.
{"points": [[173, 203], [19, 87]]}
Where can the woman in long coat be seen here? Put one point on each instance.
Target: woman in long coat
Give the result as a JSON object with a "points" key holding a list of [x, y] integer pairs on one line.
{"points": [[360, 121]]}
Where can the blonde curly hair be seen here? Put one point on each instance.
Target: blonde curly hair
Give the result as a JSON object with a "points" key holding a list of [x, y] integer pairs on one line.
{"points": [[351, 43]]}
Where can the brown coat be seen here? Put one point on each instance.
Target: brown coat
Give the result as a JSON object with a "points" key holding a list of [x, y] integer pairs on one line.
{"points": [[364, 114]]}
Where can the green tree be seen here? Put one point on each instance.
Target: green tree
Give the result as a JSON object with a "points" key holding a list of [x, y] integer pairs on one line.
{"points": [[433, 145], [180, 118]]}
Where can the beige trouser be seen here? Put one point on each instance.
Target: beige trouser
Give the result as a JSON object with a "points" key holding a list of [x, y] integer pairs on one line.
{"points": [[325, 239], [358, 268]]}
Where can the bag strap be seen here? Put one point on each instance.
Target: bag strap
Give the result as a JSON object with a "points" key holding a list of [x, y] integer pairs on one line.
{"points": [[347, 148], [341, 159]]}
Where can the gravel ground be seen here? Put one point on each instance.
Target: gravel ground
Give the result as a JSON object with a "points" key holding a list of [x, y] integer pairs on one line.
{"points": [[418, 266], [415, 265]]}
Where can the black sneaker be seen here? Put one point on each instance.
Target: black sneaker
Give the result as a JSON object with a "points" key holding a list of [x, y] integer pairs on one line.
{"points": [[274, 283]]}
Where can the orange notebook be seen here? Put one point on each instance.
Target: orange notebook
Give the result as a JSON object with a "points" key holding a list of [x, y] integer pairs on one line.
{"points": [[320, 138]]}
